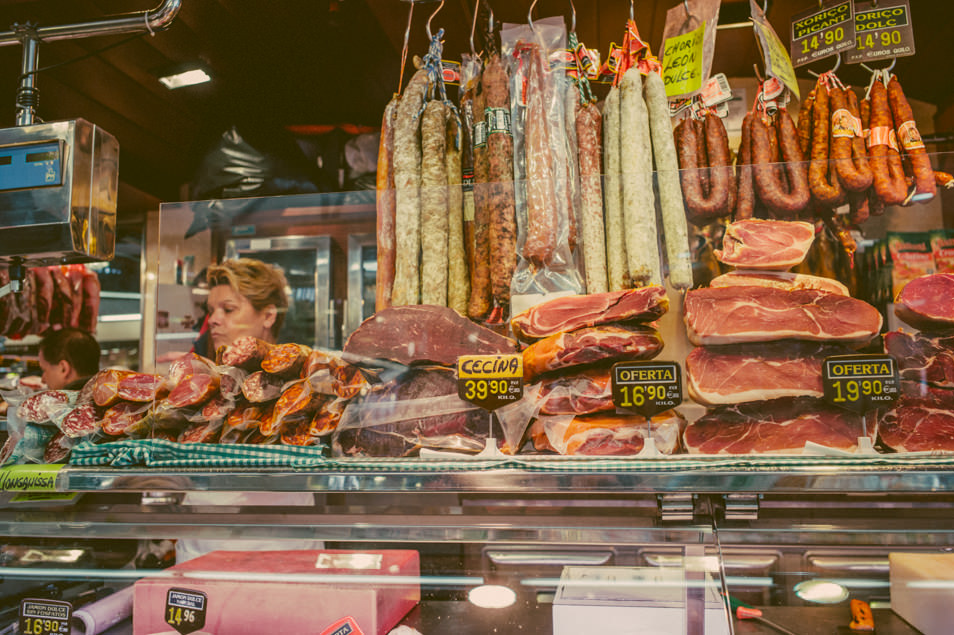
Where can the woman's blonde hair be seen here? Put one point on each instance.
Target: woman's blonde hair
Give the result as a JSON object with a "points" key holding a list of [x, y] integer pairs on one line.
{"points": [[260, 283]]}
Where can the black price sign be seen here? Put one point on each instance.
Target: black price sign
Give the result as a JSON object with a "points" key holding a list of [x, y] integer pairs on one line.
{"points": [[185, 610], [860, 382], [646, 388], [883, 30], [819, 33], [490, 381], [45, 617]]}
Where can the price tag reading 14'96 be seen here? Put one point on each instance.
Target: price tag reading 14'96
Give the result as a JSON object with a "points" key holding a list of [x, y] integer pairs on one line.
{"points": [[490, 381], [646, 388], [860, 382]]}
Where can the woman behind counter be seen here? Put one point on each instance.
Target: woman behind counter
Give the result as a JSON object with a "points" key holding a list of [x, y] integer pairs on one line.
{"points": [[246, 297]]}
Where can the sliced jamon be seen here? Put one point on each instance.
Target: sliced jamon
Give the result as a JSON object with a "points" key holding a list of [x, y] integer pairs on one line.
{"points": [[778, 279], [572, 312], [780, 426], [606, 434], [718, 375], [922, 358], [917, 427], [927, 303], [765, 244], [578, 394], [590, 345], [733, 315]]}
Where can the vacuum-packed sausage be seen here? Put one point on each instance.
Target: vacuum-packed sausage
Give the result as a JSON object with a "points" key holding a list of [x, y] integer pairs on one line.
{"points": [[543, 223]]}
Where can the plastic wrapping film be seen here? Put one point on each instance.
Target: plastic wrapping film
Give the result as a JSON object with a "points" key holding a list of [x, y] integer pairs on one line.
{"points": [[607, 434]]}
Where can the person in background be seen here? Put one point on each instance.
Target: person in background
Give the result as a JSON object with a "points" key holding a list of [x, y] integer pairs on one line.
{"points": [[246, 297], [68, 358]]}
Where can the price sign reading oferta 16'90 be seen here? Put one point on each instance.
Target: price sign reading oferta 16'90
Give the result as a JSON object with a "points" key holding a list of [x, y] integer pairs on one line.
{"points": [[490, 381], [860, 382], [818, 33], [45, 617], [646, 388], [883, 30], [185, 610]]}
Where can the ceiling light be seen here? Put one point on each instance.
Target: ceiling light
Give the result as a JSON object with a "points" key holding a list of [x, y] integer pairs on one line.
{"points": [[185, 78]]}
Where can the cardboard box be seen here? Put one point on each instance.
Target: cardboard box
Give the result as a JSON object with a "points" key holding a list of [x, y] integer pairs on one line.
{"points": [[922, 590], [634, 601], [255, 592]]}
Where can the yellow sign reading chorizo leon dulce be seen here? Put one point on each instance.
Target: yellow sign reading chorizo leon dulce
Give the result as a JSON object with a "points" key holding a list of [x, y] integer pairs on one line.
{"points": [[29, 478], [682, 62], [490, 381]]}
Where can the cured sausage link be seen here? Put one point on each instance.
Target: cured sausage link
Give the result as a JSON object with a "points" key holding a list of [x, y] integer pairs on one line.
{"points": [[824, 184], [480, 291], [785, 201], [805, 130], [745, 205], [617, 272], [588, 129], [883, 154], [542, 222], [847, 142], [458, 277], [434, 205], [702, 207], [385, 203], [910, 140]]}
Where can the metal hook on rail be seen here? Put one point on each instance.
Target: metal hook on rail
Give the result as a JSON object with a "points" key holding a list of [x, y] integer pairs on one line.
{"points": [[572, 17], [887, 69], [436, 11], [632, 10], [837, 66], [407, 37], [473, 27]]}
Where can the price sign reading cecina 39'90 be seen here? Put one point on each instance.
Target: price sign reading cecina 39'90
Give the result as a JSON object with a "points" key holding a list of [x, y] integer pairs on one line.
{"points": [[860, 382], [646, 388], [490, 381]]}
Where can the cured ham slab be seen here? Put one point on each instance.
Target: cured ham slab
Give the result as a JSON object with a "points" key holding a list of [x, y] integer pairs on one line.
{"points": [[582, 393], [927, 303], [734, 315], [719, 375], [780, 426], [778, 279], [917, 427], [922, 358], [568, 313], [765, 244], [424, 334], [606, 434], [589, 345]]}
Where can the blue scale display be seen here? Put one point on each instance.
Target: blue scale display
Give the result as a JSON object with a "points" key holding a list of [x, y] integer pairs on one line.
{"points": [[34, 165]]}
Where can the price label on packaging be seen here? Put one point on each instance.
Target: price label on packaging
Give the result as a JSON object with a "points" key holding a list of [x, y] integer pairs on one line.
{"points": [[646, 388], [883, 30], [45, 617], [819, 33], [860, 382], [490, 381], [185, 610]]}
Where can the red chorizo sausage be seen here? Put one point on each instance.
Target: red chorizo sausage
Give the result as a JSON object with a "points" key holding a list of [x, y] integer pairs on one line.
{"points": [[785, 200], [824, 184], [882, 149], [910, 140], [847, 142]]}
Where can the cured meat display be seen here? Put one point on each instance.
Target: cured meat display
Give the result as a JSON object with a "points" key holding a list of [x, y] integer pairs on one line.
{"points": [[779, 426], [581, 393], [778, 279], [918, 426], [577, 311], [607, 434], [927, 303], [423, 334], [590, 345], [765, 244], [54, 297], [718, 375], [923, 359], [732, 315]]}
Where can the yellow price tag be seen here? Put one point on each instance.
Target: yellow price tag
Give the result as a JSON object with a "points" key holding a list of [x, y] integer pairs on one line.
{"points": [[777, 61], [682, 62], [490, 381], [29, 478]]}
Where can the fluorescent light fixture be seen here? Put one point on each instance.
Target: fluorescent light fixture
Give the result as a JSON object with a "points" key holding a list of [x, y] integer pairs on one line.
{"points": [[185, 78]]}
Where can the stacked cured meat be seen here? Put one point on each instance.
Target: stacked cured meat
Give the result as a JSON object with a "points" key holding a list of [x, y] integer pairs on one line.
{"points": [[573, 342], [763, 334], [52, 297], [923, 419]]}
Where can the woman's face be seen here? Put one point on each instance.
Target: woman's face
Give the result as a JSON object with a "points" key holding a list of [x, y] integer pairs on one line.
{"points": [[232, 316]]}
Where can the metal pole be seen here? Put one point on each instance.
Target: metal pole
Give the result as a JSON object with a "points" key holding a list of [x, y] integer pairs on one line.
{"points": [[27, 96]]}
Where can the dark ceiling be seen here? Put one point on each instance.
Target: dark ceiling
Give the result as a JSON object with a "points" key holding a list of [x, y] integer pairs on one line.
{"points": [[278, 63]]}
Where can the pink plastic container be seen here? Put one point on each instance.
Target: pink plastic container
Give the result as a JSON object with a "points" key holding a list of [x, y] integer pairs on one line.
{"points": [[255, 592]]}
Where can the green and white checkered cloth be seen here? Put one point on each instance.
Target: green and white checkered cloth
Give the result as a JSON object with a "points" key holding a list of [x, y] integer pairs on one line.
{"points": [[163, 453]]}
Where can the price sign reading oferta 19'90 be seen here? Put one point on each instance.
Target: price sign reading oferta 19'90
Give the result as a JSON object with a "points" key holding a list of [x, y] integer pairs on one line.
{"points": [[860, 382], [185, 610], [883, 30], [490, 381], [646, 388], [818, 33], [45, 617]]}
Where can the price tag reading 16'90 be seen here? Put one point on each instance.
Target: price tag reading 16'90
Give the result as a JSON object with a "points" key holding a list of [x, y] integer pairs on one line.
{"points": [[860, 382], [646, 388], [490, 381]]}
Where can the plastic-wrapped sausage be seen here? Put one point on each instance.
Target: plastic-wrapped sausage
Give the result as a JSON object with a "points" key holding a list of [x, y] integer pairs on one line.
{"points": [[847, 142], [823, 182], [407, 189], [285, 360], [617, 270], [467, 175], [639, 204], [142, 387], [385, 203], [481, 294], [571, 106], [910, 140], [246, 352], [503, 221], [458, 277], [885, 161], [260, 387], [675, 230], [786, 200], [434, 205], [588, 134], [543, 223]]}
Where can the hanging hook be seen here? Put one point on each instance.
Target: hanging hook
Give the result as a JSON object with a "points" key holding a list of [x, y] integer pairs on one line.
{"points": [[889, 68], [573, 17], [837, 63], [685, 3], [436, 11], [407, 35], [473, 27], [632, 10], [530, 14]]}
